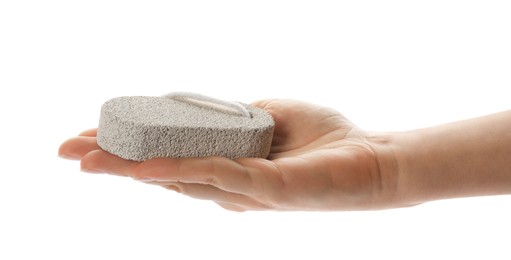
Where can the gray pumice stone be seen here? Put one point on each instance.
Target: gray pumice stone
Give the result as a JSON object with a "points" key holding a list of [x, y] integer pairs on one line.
{"points": [[183, 125]]}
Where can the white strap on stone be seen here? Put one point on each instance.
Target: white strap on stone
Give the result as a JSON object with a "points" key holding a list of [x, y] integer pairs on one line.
{"points": [[227, 107]]}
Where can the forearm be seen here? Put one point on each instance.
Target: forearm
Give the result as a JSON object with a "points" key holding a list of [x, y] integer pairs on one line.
{"points": [[466, 158]]}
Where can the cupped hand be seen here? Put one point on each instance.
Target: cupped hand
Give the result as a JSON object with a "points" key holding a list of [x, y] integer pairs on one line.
{"points": [[319, 160]]}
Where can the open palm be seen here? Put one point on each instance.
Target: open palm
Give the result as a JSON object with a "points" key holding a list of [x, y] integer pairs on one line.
{"points": [[318, 161]]}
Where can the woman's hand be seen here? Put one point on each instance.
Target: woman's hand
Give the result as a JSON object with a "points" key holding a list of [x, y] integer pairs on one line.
{"points": [[319, 161]]}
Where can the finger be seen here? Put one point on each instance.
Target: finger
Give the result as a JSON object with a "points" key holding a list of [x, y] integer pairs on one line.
{"points": [[262, 104], [220, 172], [90, 132], [75, 148], [100, 161]]}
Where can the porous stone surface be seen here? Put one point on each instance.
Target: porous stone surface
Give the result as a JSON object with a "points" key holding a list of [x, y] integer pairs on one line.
{"points": [[140, 128]]}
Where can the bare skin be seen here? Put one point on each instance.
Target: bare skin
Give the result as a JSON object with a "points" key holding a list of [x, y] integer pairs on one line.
{"points": [[321, 161]]}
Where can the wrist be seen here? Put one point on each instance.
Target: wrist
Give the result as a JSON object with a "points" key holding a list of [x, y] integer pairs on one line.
{"points": [[421, 168], [410, 188], [393, 169]]}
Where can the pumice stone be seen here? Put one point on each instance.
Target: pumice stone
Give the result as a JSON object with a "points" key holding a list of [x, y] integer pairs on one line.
{"points": [[181, 125]]}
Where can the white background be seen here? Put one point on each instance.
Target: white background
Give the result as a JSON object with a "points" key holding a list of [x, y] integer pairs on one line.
{"points": [[387, 65]]}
